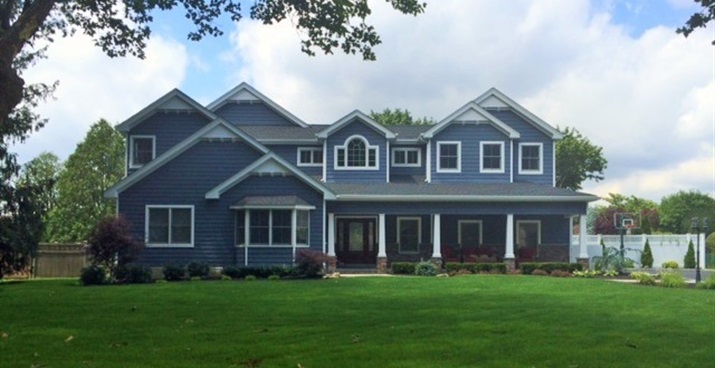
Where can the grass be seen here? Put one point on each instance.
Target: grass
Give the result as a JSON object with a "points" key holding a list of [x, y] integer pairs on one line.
{"points": [[487, 321]]}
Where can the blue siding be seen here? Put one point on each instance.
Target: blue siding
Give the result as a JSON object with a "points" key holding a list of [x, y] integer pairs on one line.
{"points": [[529, 134], [290, 154], [169, 128], [256, 113], [409, 171], [374, 138], [470, 136]]}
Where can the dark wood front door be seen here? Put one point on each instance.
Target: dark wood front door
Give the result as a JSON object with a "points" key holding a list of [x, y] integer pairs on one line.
{"points": [[356, 241]]}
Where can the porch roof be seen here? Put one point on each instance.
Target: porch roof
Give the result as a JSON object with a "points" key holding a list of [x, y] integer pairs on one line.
{"points": [[272, 202], [481, 192]]}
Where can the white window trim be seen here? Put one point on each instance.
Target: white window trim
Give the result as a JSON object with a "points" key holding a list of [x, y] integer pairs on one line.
{"points": [[132, 165], [168, 245], [247, 232], [312, 156], [407, 149], [419, 233], [541, 159], [481, 157], [520, 222], [459, 230], [368, 147], [459, 157]]}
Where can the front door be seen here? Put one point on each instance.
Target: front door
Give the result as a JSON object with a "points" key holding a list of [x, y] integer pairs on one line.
{"points": [[356, 241]]}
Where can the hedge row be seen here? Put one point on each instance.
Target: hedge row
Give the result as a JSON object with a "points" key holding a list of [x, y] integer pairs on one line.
{"points": [[476, 267], [528, 268]]}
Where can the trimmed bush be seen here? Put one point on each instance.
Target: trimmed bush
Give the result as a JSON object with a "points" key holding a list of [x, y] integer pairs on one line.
{"points": [[134, 274], [709, 283], [539, 272], [173, 272], [425, 268], [673, 265], [647, 256], [689, 260], [250, 278], [198, 269], [644, 278], [274, 277], [589, 274], [93, 275], [403, 268], [528, 267], [672, 280], [235, 272], [454, 268], [232, 271]]}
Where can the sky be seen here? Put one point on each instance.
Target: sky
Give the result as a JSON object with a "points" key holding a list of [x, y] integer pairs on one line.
{"points": [[613, 69]]}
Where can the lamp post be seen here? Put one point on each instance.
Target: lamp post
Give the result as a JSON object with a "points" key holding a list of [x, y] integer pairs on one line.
{"points": [[697, 224]]}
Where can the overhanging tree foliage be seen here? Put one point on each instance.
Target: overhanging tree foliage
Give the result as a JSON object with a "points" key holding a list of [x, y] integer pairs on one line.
{"points": [[578, 160], [42, 173], [677, 210], [699, 19], [398, 117], [96, 164]]}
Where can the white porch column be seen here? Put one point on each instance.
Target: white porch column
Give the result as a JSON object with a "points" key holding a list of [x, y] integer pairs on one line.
{"points": [[381, 239], [582, 233], [509, 252], [331, 235], [436, 236], [293, 228]]}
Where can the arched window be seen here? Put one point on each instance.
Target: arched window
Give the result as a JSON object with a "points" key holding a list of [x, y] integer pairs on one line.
{"points": [[356, 153]]}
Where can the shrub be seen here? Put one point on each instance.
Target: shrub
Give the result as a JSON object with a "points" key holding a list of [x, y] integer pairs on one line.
{"points": [[226, 278], [425, 268], [309, 263], [689, 260], [614, 259], [647, 256], [195, 278], [610, 273], [250, 278], [672, 280], [644, 278], [173, 272], [539, 272], [232, 272], [405, 268], [93, 275], [111, 245], [709, 283], [274, 277], [528, 267], [586, 273], [198, 269], [134, 274], [670, 264], [559, 273]]}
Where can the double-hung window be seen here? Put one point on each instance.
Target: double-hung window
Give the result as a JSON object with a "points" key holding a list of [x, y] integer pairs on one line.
{"points": [[491, 159], [272, 227], [356, 154], [449, 157], [310, 156], [141, 150], [170, 226], [531, 158], [406, 157]]}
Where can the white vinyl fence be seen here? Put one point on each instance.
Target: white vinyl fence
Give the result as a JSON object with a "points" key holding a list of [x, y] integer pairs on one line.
{"points": [[664, 247]]}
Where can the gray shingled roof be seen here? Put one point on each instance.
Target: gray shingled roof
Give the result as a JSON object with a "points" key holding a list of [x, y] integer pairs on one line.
{"points": [[267, 133], [269, 201], [409, 132], [475, 192]]}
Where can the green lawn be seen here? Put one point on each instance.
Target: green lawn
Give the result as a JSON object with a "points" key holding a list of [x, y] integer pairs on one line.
{"points": [[470, 321]]}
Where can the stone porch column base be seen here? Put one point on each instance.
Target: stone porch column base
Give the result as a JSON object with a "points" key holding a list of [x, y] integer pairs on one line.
{"points": [[332, 264], [583, 262], [381, 265], [510, 264]]}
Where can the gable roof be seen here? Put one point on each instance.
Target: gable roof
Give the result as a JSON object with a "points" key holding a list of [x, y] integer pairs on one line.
{"points": [[245, 92], [477, 112], [495, 98], [272, 134], [174, 100], [269, 163], [218, 128], [357, 114]]}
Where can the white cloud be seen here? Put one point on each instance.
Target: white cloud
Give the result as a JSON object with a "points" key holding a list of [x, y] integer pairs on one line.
{"points": [[647, 99], [94, 86]]}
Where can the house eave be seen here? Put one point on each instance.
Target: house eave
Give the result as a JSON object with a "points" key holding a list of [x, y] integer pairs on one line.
{"points": [[461, 198]]}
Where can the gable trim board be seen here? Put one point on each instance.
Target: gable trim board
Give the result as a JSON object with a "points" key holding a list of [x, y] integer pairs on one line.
{"points": [[166, 102], [278, 166], [246, 92], [495, 98], [351, 117], [219, 129], [471, 113]]}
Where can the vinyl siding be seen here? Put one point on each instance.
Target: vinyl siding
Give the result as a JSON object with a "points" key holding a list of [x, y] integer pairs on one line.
{"points": [[374, 138], [290, 154], [529, 134], [396, 171], [251, 113], [470, 136]]}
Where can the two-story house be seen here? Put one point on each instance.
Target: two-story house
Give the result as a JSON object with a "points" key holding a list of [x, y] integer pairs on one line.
{"points": [[244, 182]]}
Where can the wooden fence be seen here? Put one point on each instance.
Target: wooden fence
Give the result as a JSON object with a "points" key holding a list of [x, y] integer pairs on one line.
{"points": [[59, 260]]}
